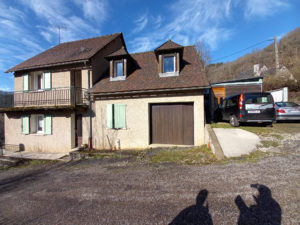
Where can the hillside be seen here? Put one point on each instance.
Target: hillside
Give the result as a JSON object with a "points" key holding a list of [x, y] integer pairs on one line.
{"points": [[289, 56]]}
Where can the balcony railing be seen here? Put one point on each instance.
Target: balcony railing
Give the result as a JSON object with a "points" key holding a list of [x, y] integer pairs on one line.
{"points": [[68, 96]]}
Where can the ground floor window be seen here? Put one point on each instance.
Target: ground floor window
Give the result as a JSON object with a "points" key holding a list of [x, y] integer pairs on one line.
{"points": [[116, 116], [36, 124]]}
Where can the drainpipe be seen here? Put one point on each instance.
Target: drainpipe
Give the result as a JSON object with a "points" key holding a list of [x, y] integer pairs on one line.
{"points": [[90, 112]]}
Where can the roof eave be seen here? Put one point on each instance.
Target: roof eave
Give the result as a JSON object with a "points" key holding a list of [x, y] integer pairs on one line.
{"points": [[148, 91], [48, 65]]}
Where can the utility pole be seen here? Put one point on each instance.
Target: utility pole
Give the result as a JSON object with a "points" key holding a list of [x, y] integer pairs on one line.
{"points": [[276, 55]]}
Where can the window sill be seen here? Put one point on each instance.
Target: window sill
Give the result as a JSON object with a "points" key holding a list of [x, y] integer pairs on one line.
{"points": [[117, 78], [169, 74], [116, 129], [36, 134]]}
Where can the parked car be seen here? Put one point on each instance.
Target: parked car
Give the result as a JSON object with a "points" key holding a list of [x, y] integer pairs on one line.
{"points": [[287, 111], [255, 107]]}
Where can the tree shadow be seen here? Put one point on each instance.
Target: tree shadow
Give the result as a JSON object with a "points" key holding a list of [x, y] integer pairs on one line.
{"points": [[196, 214], [266, 211]]}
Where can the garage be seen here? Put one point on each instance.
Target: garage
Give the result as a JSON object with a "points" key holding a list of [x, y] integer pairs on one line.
{"points": [[172, 123]]}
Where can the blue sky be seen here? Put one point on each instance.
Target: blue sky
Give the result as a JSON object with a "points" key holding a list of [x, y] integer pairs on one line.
{"points": [[28, 27]]}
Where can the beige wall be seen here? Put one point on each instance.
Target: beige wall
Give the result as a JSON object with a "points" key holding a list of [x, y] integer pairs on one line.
{"points": [[61, 79], [18, 83], [136, 134], [59, 141]]}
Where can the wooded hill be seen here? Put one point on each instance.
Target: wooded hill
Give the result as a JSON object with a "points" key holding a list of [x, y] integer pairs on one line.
{"points": [[289, 56]]}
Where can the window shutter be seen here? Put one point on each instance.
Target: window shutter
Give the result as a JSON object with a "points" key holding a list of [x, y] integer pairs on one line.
{"points": [[25, 82], [48, 124], [120, 116], [25, 124], [47, 80], [109, 115]]}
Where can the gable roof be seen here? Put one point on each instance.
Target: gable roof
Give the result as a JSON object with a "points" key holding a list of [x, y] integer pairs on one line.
{"points": [[168, 45], [145, 75], [121, 52], [68, 52]]}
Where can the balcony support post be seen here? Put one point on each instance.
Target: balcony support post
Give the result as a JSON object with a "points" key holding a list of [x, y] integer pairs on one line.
{"points": [[90, 113]]}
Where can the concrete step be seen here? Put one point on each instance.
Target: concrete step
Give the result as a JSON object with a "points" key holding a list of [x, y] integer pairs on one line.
{"points": [[8, 162]]}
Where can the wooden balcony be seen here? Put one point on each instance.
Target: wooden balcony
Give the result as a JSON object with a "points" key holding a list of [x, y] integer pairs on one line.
{"points": [[55, 97]]}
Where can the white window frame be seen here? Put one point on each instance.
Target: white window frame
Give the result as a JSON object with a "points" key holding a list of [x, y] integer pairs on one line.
{"points": [[174, 62], [35, 118], [115, 77], [37, 124], [116, 68], [173, 73], [36, 80]]}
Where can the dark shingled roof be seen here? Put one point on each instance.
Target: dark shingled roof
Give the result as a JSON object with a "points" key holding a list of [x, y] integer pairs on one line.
{"points": [[66, 53], [168, 45], [122, 51], [145, 76]]}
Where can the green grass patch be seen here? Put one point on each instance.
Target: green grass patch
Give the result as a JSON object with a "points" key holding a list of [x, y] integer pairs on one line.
{"points": [[201, 155], [269, 143], [36, 162], [259, 130], [252, 157]]}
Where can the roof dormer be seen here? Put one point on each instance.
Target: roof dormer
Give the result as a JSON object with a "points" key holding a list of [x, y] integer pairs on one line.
{"points": [[169, 56], [118, 61]]}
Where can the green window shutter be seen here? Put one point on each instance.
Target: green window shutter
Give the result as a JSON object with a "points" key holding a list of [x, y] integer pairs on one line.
{"points": [[47, 80], [48, 124], [25, 124], [109, 115], [120, 116], [25, 82]]}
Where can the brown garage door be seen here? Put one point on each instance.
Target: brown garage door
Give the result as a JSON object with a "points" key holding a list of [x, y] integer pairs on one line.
{"points": [[172, 123]]}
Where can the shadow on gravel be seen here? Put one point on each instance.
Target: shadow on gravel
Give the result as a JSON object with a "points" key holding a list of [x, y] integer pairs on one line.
{"points": [[265, 211], [11, 183], [196, 214]]}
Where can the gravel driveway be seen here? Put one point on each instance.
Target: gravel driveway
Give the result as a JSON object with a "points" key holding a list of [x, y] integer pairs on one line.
{"points": [[122, 191]]}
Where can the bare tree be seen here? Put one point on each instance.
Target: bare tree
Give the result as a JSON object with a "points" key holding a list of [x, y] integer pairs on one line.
{"points": [[203, 52]]}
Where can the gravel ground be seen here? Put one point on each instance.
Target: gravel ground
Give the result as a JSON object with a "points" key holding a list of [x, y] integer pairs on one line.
{"points": [[121, 191]]}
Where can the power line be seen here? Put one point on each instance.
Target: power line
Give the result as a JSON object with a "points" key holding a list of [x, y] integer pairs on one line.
{"points": [[234, 53]]}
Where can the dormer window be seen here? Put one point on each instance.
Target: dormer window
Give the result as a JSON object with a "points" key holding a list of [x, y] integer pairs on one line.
{"points": [[168, 55], [118, 68], [169, 64], [118, 64]]}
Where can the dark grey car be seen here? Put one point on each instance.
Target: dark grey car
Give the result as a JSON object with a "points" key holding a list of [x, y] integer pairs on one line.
{"points": [[287, 111], [256, 107]]}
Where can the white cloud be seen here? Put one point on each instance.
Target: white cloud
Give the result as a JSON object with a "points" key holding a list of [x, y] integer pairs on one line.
{"points": [[140, 23], [95, 9], [55, 13], [188, 22], [262, 8]]}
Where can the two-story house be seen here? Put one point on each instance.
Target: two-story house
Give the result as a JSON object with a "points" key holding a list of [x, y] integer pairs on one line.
{"points": [[94, 92], [50, 94]]}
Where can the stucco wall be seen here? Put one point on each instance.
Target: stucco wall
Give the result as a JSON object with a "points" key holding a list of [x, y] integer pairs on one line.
{"points": [[61, 79], [59, 141], [136, 134], [18, 83]]}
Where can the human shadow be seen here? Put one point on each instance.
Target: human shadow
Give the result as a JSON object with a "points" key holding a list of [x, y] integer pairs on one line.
{"points": [[266, 211], [196, 214]]}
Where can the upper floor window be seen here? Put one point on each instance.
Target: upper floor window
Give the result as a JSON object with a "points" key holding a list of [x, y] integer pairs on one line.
{"points": [[39, 82], [118, 68], [169, 64]]}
